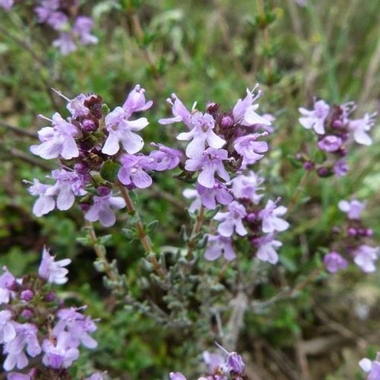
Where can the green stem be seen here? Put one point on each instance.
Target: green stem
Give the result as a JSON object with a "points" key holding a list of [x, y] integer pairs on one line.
{"points": [[142, 235], [196, 229]]}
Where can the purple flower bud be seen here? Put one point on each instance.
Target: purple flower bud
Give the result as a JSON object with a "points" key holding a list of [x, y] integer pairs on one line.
{"points": [[81, 168], [337, 124], [27, 314], [103, 191], [226, 121], [49, 297], [90, 125], [251, 217], [308, 165], [323, 172], [27, 295], [235, 363]]}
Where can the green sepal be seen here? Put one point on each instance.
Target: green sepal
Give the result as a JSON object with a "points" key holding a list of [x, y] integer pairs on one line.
{"points": [[109, 171]]}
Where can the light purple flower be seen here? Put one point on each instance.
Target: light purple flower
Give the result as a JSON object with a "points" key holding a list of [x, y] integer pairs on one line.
{"points": [[352, 208], [218, 194], [7, 281], [165, 158], [315, 118], [250, 149], [82, 28], [232, 220], [271, 220], [45, 202], [247, 186], [214, 361], [26, 338], [133, 169], [78, 326], [7, 330], [65, 43], [360, 127], [266, 250], [53, 271], [330, 143], [176, 376], [59, 354], [244, 110], [95, 376], [234, 361], [103, 209], [136, 101], [6, 4], [76, 106], [365, 257], [200, 134], [57, 140], [334, 262], [20, 376], [340, 168], [371, 367], [122, 131], [193, 194], [218, 245], [180, 112], [209, 163]]}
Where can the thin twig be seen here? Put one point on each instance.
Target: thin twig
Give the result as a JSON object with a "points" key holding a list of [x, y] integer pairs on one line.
{"points": [[18, 130]]}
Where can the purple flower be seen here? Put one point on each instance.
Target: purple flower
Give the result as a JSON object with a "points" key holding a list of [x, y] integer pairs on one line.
{"points": [[7, 281], [20, 376], [102, 209], [176, 376], [121, 130], [218, 245], [371, 367], [133, 170], [353, 208], [250, 149], [214, 361], [232, 220], [200, 134], [76, 106], [244, 110], [7, 330], [267, 246], [136, 101], [65, 43], [218, 194], [6, 4], [77, 325], [193, 194], [82, 28], [57, 140], [53, 271], [95, 376], [270, 218], [45, 202], [59, 354], [315, 118], [246, 187], [165, 158], [180, 112], [26, 337], [365, 257], [234, 361], [209, 163], [330, 143], [360, 127], [334, 262], [340, 168]]}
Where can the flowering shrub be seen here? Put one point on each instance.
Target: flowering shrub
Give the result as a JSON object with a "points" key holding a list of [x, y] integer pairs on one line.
{"points": [[219, 222]]}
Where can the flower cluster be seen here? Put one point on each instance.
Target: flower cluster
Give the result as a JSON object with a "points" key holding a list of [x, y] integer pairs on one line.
{"points": [[220, 367], [35, 324], [222, 150], [372, 367], [95, 152], [351, 241], [62, 16], [335, 130]]}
